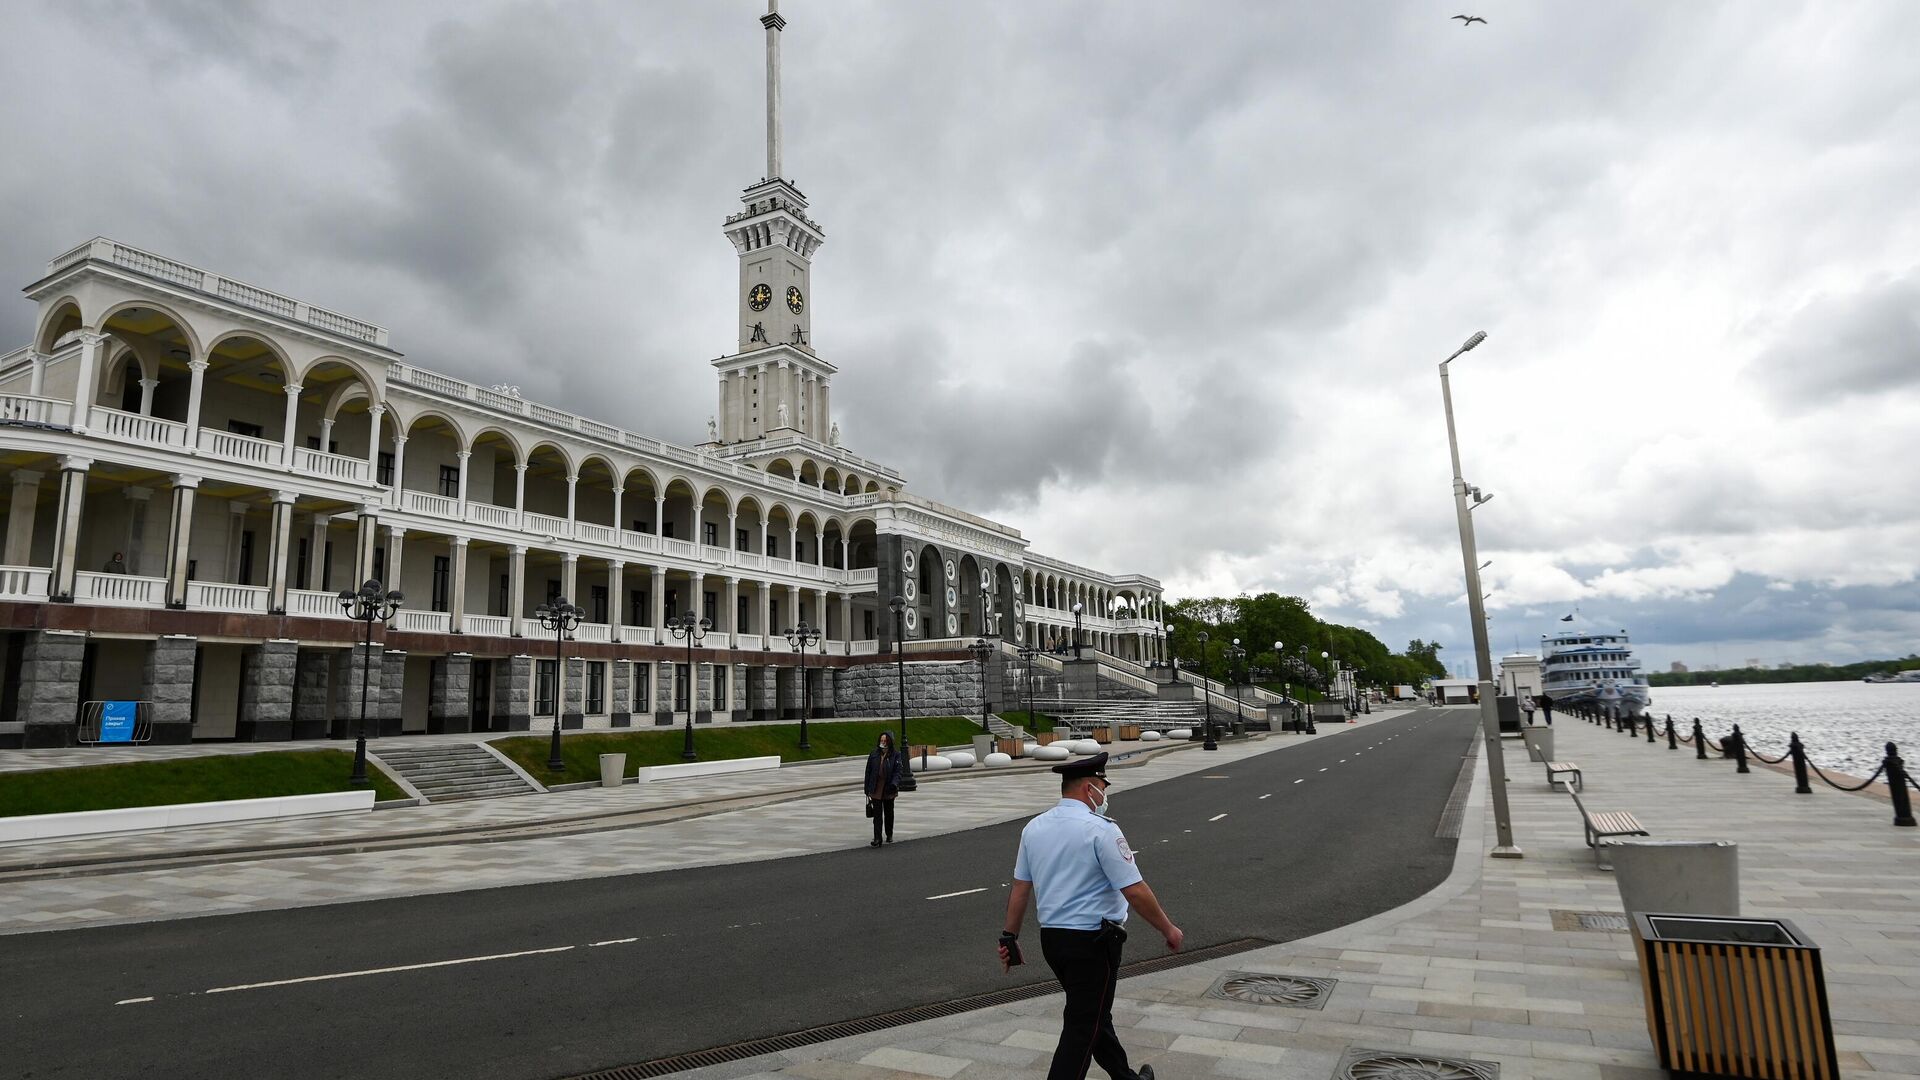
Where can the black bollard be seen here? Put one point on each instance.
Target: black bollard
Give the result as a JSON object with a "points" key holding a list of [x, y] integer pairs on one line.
{"points": [[1673, 740], [1897, 786], [1799, 752], [1699, 740], [1649, 729], [1740, 751], [1606, 717]]}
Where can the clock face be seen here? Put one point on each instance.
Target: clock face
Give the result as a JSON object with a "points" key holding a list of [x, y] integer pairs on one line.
{"points": [[796, 303], [759, 297]]}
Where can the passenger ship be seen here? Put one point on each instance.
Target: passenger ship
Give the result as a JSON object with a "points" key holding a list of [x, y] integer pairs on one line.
{"points": [[1581, 668]]}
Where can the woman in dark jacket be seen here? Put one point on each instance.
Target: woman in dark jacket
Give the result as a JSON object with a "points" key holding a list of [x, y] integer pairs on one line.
{"points": [[884, 768]]}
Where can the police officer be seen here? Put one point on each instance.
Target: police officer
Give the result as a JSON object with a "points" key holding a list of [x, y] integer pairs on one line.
{"points": [[1074, 860]]}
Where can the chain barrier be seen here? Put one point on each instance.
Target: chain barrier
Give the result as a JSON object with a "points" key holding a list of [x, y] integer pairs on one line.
{"points": [[1843, 787]]}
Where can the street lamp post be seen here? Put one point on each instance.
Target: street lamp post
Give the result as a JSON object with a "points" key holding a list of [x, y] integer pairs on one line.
{"points": [[693, 630], [367, 606], [800, 639], [1476, 614], [1166, 650], [1206, 693], [1077, 609], [898, 605], [982, 649], [558, 616], [1235, 655], [1027, 653]]}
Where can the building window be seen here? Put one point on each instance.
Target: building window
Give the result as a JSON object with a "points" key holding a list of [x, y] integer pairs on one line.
{"points": [[442, 576], [326, 565], [773, 613], [673, 604], [384, 475], [666, 529], [679, 688], [866, 626], [301, 553], [640, 526], [773, 546], [710, 533], [506, 596], [597, 603], [246, 557], [799, 551], [710, 607], [719, 686], [637, 608], [596, 688], [241, 427], [740, 623], [380, 564], [543, 687], [553, 590], [740, 539], [193, 569], [450, 481], [642, 678]]}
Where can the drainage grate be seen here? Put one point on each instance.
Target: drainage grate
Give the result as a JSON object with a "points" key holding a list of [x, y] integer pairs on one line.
{"points": [[1359, 1064], [1610, 921], [866, 1025], [1455, 812], [1292, 991]]}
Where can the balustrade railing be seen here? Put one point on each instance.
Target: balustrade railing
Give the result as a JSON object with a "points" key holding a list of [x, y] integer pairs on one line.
{"points": [[421, 502], [314, 604], [548, 524], [504, 517], [27, 409], [592, 631], [639, 541], [599, 534], [242, 448], [329, 466], [217, 596], [489, 625], [119, 590], [135, 428], [748, 641], [422, 622], [24, 582]]}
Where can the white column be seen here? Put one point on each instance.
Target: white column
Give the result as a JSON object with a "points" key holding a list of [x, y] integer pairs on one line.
{"points": [[180, 535], [658, 602], [462, 456], [619, 523], [793, 538], [146, 395], [196, 389], [457, 585], [659, 518], [573, 490], [279, 542], [516, 587], [396, 544], [793, 606], [399, 465], [37, 381], [84, 390], [374, 414], [766, 615], [698, 513], [20, 515], [520, 492], [733, 612], [846, 554], [326, 435], [846, 619], [66, 533], [616, 596], [289, 426], [820, 611], [733, 523], [763, 532], [570, 578], [316, 551]]}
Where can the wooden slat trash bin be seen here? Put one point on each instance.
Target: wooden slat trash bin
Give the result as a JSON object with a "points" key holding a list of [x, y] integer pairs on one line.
{"points": [[1102, 735], [1042, 738], [1011, 747], [1129, 732], [1735, 997]]}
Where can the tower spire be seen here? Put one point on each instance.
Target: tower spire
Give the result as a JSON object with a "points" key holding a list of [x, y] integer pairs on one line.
{"points": [[774, 24]]}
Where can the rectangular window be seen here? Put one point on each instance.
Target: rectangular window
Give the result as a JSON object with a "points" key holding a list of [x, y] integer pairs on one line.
{"points": [[773, 614], [799, 551], [637, 608], [450, 481], [679, 688], [773, 546], [642, 526], [193, 569], [673, 604], [301, 549], [380, 564], [506, 597], [866, 626], [246, 557], [642, 680], [543, 687], [710, 533], [241, 427], [740, 623], [710, 607], [666, 529], [740, 539], [553, 589], [719, 686], [326, 566], [385, 472], [597, 604], [442, 578], [596, 688]]}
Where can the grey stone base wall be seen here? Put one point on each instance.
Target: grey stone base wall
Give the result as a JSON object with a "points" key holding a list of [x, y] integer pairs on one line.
{"points": [[50, 687], [764, 682], [392, 693], [310, 704], [574, 692], [266, 691], [168, 684], [620, 693], [450, 705], [513, 692], [356, 670], [934, 688]]}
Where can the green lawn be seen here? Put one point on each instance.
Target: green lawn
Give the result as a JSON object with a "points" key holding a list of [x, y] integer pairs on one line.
{"points": [[661, 746], [202, 779], [1033, 722]]}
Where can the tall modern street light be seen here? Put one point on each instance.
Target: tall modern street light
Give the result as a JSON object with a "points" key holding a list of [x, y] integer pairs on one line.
{"points": [[1166, 650], [800, 639], [981, 650], [1206, 693], [366, 606], [1235, 655], [558, 617], [1476, 614], [693, 630], [898, 605], [1027, 653], [1078, 607]]}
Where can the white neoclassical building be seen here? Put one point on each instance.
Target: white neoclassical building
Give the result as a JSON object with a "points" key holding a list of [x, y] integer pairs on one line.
{"points": [[196, 466]]}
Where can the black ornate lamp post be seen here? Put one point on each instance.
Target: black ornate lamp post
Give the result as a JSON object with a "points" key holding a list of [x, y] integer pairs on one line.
{"points": [[1166, 650], [982, 649], [898, 605], [1235, 655], [800, 639], [1078, 607], [559, 617], [694, 630], [367, 606], [1206, 693], [1027, 653]]}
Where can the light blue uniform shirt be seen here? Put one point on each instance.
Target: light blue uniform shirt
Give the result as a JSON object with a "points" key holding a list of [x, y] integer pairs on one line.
{"points": [[1078, 862]]}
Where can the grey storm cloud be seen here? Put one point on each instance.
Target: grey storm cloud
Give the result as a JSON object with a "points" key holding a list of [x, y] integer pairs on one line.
{"points": [[1160, 285]]}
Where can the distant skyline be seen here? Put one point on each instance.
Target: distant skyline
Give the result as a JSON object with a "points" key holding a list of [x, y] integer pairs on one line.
{"points": [[1162, 286]]}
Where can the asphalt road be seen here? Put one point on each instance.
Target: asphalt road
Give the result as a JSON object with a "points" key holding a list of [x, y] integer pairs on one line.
{"points": [[614, 971]]}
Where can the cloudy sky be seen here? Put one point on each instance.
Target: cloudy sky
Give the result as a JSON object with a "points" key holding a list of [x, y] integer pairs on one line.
{"points": [[1162, 285]]}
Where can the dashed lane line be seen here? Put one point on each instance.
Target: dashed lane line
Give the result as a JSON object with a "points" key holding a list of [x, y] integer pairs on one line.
{"points": [[962, 892], [1216, 817], [387, 970], [1269, 794]]}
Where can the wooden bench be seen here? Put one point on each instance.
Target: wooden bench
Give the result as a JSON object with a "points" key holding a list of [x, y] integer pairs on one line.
{"points": [[1604, 824], [1564, 768]]}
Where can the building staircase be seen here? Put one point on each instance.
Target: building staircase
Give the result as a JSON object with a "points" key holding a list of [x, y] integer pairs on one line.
{"points": [[451, 772]]}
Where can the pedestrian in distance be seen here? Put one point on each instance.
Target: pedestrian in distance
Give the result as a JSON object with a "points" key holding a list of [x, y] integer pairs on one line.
{"points": [[115, 565], [1075, 866], [884, 768], [1526, 705], [1546, 709]]}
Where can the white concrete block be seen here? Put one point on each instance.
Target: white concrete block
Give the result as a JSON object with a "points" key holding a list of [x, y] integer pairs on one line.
{"points": [[144, 818], [1180, 734], [962, 760], [997, 760], [1050, 752], [1151, 735]]}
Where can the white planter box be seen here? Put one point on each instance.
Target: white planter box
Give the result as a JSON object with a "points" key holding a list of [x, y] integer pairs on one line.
{"points": [[650, 773], [145, 818]]}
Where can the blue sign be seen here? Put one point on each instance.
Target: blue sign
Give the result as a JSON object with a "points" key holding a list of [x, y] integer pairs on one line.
{"points": [[116, 720]]}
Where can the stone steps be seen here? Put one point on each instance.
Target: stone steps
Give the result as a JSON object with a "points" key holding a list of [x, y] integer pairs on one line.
{"points": [[451, 773]]}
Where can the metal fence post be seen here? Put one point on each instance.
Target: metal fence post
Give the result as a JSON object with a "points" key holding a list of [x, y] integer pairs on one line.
{"points": [[1699, 740], [1649, 729], [1799, 752], [1740, 751], [1897, 786], [1673, 740]]}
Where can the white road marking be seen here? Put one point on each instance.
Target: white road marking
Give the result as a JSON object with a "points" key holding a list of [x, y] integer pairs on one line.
{"points": [[1323, 770], [962, 892], [1269, 794], [1216, 817], [615, 941], [133, 1001], [1303, 779], [388, 970]]}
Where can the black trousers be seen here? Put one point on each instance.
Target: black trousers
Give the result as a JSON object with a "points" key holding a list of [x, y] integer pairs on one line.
{"points": [[1087, 963], [883, 815]]}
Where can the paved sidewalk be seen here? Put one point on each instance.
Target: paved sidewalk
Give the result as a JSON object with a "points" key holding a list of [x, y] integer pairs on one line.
{"points": [[1477, 969], [806, 824]]}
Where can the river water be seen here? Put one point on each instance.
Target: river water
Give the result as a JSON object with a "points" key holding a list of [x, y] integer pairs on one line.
{"points": [[1845, 725]]}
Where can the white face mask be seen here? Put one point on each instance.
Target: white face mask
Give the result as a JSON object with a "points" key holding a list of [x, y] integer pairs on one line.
{"points": [[1104, 806]]}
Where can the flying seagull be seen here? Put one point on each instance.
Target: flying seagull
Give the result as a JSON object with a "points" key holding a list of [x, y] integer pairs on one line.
{"points": [[1469, 20]]}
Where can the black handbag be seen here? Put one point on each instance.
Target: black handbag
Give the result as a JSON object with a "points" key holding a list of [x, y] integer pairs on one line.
{"points": [[873, 808]]}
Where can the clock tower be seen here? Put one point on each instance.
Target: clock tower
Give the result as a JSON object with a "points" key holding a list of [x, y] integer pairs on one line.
{"points": [[776, 385]]}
